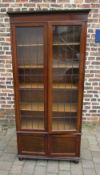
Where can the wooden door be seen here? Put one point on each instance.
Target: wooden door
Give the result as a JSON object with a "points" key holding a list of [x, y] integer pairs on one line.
{"points": [[30, 76], [65, 89]]}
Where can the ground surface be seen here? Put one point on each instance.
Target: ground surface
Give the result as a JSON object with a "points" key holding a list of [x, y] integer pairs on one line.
{"points": [[88, 165]]}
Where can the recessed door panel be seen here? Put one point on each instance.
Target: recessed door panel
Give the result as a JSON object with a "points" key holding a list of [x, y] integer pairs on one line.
{"points": [[64, 145], [32, 144]]}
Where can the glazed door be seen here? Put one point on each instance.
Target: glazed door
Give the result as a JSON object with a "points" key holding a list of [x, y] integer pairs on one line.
{"points": [[65, 76], [65, 88], [32, 76]]}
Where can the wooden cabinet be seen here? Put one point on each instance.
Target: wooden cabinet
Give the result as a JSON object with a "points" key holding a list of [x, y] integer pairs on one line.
{"points": [[48, 53]]}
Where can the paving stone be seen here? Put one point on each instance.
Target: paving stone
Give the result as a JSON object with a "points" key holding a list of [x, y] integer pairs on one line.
{"points": [[3, 145], [18, 162], [84, 143], [64, 173], [29, 161], [64, 165], [51, 174], [3, 172], [7, 139], [99, 145], [14, 137], [89, 171], [28, 168], [5, 165], [8, 157], [86, 154], [97, 129], [13, 143], [92, 139], [84, 132], [97, 168], [41, 162], [87, 133], [1, 137], [1, 152], [76, 169], [16, 173], [11, 149], [52, 167], [87, 164], [11, 131], [96, 154], [94, 147], [98, 140], [40, 170], [96, 159], [25, 174], [16, 169], [97, 135], [3, 132]]}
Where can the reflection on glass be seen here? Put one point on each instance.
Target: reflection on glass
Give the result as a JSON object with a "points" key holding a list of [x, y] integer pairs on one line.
{"points": [[65, 76], [30, 46]]}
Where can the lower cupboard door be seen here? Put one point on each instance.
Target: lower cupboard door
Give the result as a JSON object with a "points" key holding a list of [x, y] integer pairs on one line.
{"points": [[64, 145], [32, 144]]}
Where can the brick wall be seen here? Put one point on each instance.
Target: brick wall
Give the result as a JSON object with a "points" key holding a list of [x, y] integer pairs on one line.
{"points": [[91, 104]]}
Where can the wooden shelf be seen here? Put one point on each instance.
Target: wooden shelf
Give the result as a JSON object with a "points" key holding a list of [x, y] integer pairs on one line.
{"points": [[64, 86], [30, 66], [67, 108], [66, 44], [54, 44], [62, 124], [32, 107], [57, 124], [32, 86], [29, 45], [56, 107], [41, 86], [32, 123], [75, 65]]}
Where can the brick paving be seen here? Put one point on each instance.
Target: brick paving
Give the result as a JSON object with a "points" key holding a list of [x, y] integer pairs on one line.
{"points": [[89, 163]]}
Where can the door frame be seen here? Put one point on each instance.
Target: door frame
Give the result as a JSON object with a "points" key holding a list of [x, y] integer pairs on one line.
{"points": [[15, 74]]}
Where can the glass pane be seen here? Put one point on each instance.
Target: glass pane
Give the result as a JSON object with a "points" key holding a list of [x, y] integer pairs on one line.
{"points": [[65, 76], [30, 55]]}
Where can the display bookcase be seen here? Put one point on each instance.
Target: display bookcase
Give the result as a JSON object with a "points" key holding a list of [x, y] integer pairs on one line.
{"points": [[48, 53]]}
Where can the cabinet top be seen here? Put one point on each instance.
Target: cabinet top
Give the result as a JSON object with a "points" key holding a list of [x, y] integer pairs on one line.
{"points": [[48, 15], [44, 12]]}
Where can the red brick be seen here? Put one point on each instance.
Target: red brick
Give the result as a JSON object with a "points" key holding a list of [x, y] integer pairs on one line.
{"points": [[92, 66]]}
